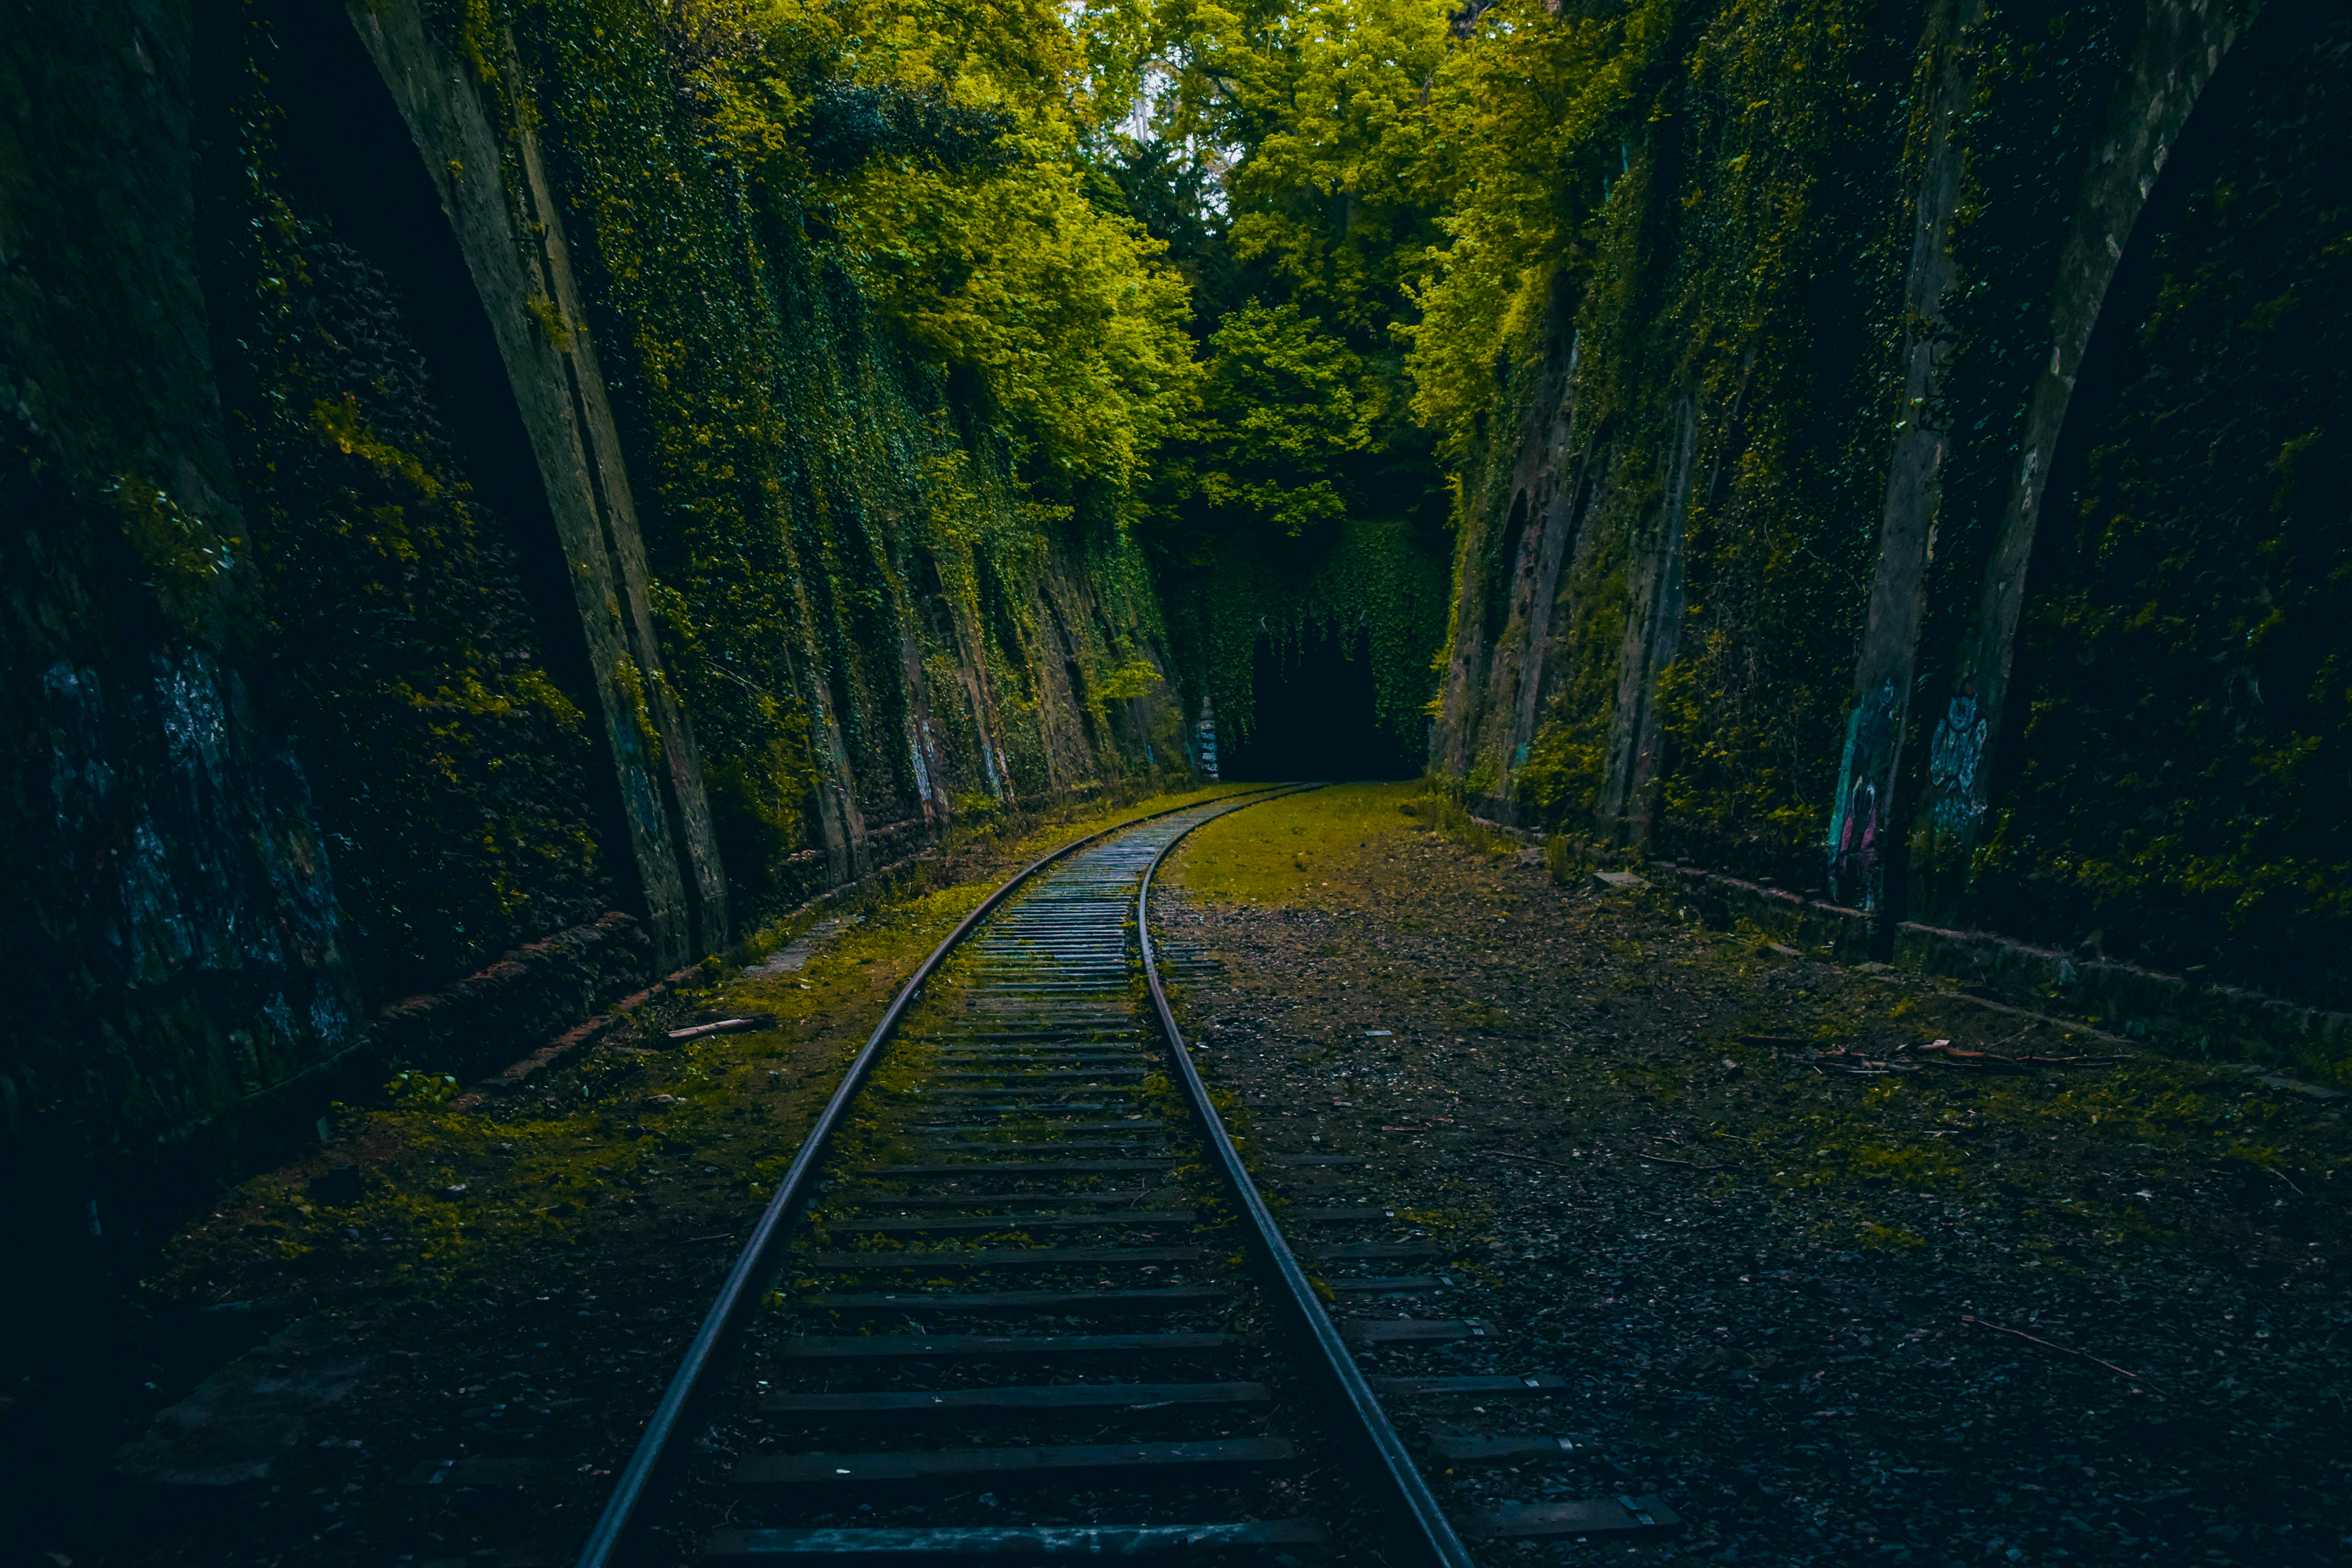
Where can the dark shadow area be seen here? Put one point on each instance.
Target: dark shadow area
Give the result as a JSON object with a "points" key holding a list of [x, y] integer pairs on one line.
{"points": [[342, 153], [345, 154], [1316, 716]]}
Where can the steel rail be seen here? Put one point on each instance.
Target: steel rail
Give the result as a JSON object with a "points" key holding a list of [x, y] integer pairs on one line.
{"points": [[624, 1509], [1428, 1538]]}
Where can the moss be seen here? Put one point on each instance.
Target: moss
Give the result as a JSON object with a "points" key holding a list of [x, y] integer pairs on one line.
{"points": [[341, 422], [818, 498], [631, 683], [552, 327], [2181, 792], [1739, 253], [448, 768], [183, 562], [1298, 850]]}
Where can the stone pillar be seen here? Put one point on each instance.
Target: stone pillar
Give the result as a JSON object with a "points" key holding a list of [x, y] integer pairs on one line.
{"points": [[2179, 46], [1863, 832], [511, 236]]}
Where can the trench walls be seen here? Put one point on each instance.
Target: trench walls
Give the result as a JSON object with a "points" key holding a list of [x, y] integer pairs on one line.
{"points": [[1916, 474], [469, 551]]}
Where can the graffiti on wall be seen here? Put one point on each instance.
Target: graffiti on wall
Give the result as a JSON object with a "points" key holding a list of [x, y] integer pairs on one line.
{"points": [[1953, 757], [1857, 822]]}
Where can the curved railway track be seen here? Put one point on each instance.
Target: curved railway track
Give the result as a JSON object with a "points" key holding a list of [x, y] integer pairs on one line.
{"points": [[1017, 1297]]}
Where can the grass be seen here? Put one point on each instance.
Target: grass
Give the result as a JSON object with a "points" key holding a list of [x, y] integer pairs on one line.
{"points": [[1304, 849]]}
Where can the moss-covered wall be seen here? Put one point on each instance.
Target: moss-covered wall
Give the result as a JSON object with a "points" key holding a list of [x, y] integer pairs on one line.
{"points": [[470, 550], [173, 926], [866, 621], [1923, 487], [449, 770], [2182, 775], [1658, 566]]}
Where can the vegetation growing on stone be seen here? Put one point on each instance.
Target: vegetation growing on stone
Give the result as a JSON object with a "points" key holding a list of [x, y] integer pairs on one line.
{"points": [[1002, 386], [449, 770], [2183, 776]]}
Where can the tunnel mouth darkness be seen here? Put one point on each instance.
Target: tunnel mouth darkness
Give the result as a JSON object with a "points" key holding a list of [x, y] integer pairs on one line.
{"points": [[1316, 715]]}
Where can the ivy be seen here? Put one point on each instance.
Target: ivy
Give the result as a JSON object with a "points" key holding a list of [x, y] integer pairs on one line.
{"points": [[448, 771], [889, 377], [2180, 793]]}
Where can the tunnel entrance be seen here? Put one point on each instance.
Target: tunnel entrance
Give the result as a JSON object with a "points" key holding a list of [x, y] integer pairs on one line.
{"points": [[1316, 716]]}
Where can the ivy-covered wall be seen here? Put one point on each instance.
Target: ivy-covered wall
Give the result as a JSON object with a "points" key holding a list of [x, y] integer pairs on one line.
{"points": [[869, 620], [1661, 554], [2181, 778], [473, 547], [448, 769], [1913, 475]]}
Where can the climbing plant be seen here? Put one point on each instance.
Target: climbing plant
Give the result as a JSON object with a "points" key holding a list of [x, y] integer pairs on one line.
{"points": [[890, 372], [1692, 201], [2180, 791], [449, 770]]}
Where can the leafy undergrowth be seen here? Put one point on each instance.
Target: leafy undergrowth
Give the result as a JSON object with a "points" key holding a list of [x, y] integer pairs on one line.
{"points": [[520, 1270], [1776, 1243]]}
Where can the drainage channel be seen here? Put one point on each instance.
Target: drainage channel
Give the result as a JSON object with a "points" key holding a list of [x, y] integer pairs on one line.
{"points": [[1016, 1298]]}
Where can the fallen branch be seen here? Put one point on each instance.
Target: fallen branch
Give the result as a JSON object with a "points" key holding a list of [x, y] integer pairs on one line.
{"points": [[2062, 1349], [724, 1026], [1955, 1056], [1661, 1160], [1530, 1159]]}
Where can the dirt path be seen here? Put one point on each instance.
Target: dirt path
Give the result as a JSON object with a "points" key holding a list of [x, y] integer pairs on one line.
{"points": [[1788, 1257]]}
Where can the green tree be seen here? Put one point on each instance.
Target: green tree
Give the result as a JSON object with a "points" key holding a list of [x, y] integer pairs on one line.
{"points": [[1287, 408], [947, 151]]}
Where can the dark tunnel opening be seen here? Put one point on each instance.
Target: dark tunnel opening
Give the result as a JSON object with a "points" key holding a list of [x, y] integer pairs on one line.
{"points": [[1316, 715]]}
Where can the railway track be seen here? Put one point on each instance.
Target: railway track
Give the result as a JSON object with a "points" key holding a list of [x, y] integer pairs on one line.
{"points": [[1019, 1298]]}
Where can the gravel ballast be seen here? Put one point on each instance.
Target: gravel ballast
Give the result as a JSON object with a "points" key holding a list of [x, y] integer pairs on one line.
{"points": [[1832, 1293]]}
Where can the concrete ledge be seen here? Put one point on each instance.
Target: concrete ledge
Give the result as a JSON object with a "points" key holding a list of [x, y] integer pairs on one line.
{"points": [[2176, 1013], [2180, 1015]]}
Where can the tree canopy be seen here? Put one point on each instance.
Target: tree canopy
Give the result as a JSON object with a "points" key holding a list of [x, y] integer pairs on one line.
{"points": [[1237, 278]]}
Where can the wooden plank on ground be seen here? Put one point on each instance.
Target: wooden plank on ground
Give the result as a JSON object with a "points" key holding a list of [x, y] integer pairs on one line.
{"points": [[1085, 1400], [1617, 1519], [995, 1258], [1415, 1330], [1161, 1300], [989, 1347], [1471, 1448], [1529, 1385], [1020, 1222], [1025, 1167]]}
